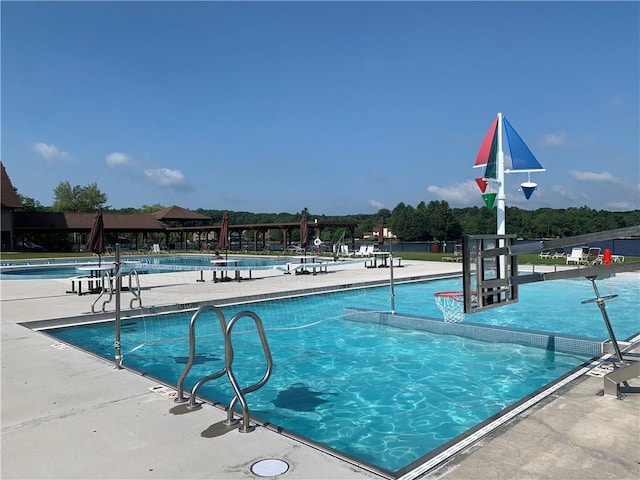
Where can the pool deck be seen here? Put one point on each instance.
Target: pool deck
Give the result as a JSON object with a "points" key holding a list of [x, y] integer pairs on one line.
{"points": [[67, 414]]}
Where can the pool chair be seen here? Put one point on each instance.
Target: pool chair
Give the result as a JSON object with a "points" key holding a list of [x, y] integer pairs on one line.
{"points": [[156, 248], [576, 257], [545, 254], [559, 254], [593, 257], [457, 255]]}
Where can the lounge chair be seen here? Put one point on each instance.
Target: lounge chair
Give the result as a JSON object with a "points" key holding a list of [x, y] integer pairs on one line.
{"points": [[575, 256], [362, 252], [457, 255], [593, 257], [559, 254], [545, 254]]}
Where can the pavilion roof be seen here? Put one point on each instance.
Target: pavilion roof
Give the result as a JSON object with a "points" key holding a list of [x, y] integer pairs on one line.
{"points": [[84, 221], [176, 213], [8, 194]]}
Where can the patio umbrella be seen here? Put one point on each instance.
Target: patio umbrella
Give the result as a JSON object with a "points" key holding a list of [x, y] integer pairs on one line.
{"points": [[223, 239], [95, 243], [304, 232], [380, 232]]}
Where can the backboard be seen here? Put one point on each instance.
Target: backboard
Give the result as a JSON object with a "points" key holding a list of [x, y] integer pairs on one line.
{"points": [[488, 268]]}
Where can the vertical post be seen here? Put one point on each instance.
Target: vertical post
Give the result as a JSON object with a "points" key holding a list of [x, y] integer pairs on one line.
{"points": [[393, 296], [118, 353], [501, 229]]}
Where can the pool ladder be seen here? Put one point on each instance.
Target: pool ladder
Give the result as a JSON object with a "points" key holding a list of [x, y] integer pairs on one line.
{"points": [[108, 287], [226, 329]]}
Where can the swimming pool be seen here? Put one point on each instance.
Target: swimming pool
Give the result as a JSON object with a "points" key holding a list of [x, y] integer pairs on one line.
{"points": [[66, 268], [382, 395]]}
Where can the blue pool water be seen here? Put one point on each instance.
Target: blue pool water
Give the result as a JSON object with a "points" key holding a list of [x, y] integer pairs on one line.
{"points": [[386, 396], [65, 268]]}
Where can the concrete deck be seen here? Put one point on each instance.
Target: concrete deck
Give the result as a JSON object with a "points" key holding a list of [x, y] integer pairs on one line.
{"points": [[67, 414]]}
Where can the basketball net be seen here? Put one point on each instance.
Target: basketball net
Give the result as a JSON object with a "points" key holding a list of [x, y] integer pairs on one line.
{"points": [[451, 304]]}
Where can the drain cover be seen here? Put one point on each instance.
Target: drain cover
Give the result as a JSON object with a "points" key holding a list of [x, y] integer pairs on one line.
{"points": [[269, 467]]}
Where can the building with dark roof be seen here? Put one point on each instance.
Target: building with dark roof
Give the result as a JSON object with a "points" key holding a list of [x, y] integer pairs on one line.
{"points": [[10, 201], [54, 229]]}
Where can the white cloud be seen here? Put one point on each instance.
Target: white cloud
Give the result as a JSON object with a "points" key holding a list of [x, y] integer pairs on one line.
{"points": [[554, 140], [564, 193], [116, 159], [50, 152], [166, 178], [376, 204], [622, 206], [593, 176], [460, 194], [615, 102]]}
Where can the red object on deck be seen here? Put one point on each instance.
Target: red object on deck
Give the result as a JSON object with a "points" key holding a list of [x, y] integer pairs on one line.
{"points": [[606, 257]]}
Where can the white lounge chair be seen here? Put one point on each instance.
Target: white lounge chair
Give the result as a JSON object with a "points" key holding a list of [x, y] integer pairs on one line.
{"points": [[545, 254], [559, 254], [575, 256], [362, 252], [156, 248]]}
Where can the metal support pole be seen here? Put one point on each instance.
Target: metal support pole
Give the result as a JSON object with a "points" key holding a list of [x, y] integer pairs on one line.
{"points": [[393, 296], [118, 353], [600, 301]]}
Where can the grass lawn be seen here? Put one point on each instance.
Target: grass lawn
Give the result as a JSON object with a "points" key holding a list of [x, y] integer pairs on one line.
{"points": [[523, 259]]}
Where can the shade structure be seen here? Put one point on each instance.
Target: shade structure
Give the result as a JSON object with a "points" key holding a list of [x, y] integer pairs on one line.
{"points": [[380, 230], [304, 232], [95, 243], [223, 238]]}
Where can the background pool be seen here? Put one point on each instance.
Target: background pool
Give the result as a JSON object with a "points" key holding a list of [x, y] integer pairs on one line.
{"points": [[66, 268]]}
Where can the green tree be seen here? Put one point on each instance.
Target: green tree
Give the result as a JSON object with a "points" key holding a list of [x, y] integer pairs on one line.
{"points": [[77, 199], [31, 204], [149, 209], [442, 224], [401, 221]]}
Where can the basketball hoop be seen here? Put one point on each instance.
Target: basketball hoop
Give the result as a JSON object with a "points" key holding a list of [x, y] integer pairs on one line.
{"points": [[451, 304]]}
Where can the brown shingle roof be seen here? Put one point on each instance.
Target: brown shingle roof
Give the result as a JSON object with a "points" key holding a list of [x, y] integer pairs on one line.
{"points": [[83, 221], [175, 213], [9, 195]]}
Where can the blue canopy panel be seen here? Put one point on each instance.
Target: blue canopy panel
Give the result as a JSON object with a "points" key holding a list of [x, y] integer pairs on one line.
{"points": [[521, 159]]}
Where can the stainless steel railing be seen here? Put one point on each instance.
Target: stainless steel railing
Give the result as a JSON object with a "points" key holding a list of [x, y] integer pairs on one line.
{"points": [[226, 330]]}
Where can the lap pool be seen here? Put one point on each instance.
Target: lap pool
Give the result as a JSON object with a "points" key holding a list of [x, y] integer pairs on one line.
{"points": [[385, 397]]}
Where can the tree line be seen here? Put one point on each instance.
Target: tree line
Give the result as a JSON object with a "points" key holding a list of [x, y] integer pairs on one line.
{"points": [[433, 221]]}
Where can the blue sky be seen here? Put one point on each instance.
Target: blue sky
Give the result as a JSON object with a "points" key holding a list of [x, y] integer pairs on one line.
{"points": [[338, 107]]}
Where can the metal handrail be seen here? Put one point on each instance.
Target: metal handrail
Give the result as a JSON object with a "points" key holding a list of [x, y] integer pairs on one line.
{"points": [[136, 292], [106, 287], [192, 354], [239, 393], [228, 367]]}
